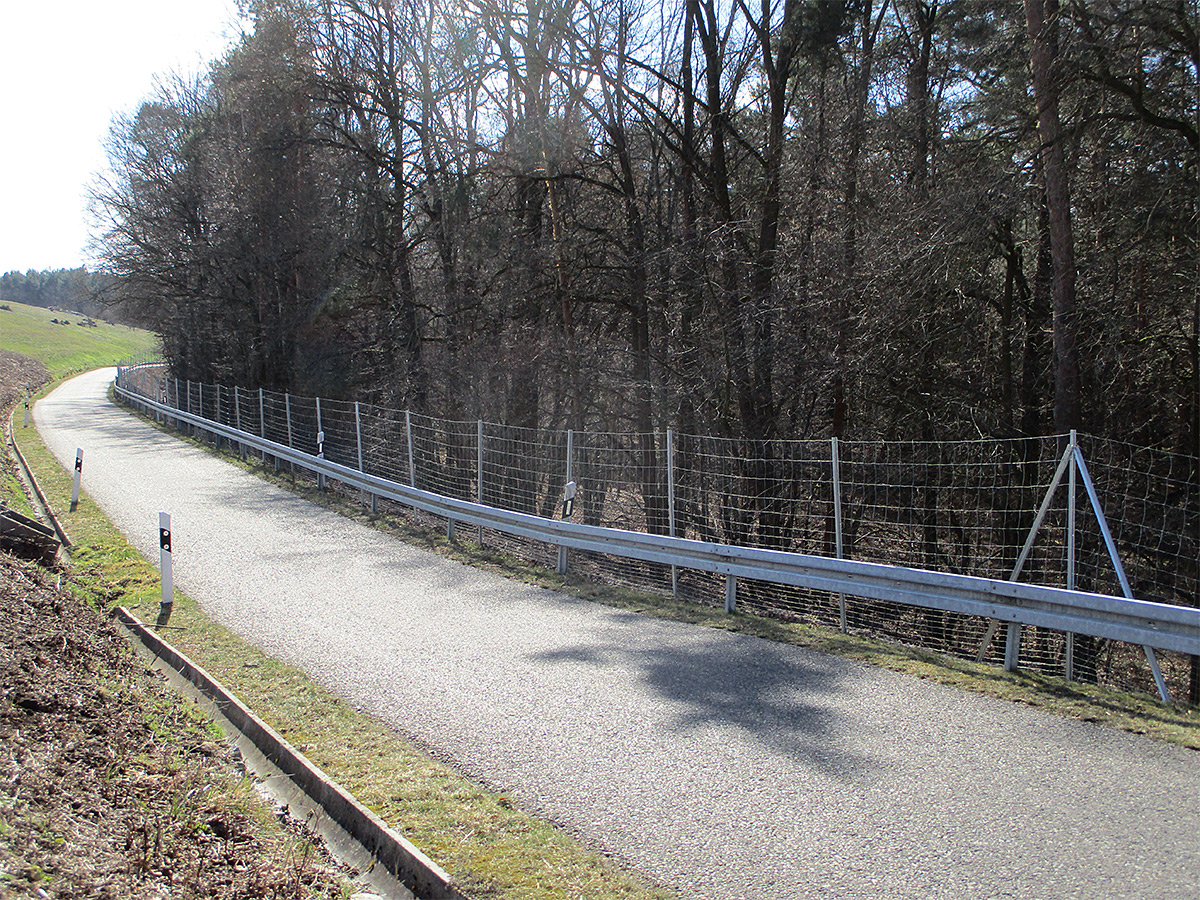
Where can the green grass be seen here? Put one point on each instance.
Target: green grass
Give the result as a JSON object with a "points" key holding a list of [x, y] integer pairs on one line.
{"points": [[13, 496], [68, 349]]}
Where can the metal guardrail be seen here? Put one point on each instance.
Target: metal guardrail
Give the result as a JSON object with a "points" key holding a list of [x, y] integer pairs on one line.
{"points": [[1152, 625]]}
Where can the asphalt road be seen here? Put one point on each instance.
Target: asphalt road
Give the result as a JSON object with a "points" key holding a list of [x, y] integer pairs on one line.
{"points": [[720, 765]]}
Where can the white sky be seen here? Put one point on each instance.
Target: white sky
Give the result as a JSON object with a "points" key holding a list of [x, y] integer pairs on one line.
{"points": [[67, 67]]}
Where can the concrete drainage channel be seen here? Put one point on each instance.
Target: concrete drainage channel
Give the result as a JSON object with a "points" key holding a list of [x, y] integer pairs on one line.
{"points": [[391, 865]]}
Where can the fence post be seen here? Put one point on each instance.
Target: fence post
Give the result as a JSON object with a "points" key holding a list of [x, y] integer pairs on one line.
{"points": [[1102, 521], [412, 465], [562, 551], [287, 410], [262, 423], [671, 504], [217, 418], [358, 441], [837, 522], [1011, 655], [479, 469], [237, 421], [1069, 649]]}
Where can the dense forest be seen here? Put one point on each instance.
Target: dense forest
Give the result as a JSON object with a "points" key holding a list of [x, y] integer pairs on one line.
{"points": [[77, 290], [927, 219]]}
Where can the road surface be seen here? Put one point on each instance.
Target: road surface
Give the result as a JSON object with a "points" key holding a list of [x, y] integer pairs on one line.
{"points": [[719, 765]]}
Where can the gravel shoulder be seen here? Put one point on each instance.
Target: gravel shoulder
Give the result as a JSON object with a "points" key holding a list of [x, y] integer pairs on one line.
{"points": [[719, 764]]}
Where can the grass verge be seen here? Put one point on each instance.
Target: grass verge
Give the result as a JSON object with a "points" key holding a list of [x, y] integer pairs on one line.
{"points": [[67, 346], [489, 847]]}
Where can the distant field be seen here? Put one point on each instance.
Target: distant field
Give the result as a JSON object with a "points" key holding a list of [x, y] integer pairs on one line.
{"points": [[67, 349]]}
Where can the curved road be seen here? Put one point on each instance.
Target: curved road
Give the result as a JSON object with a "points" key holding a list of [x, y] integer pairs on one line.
{"points": [[720, 765]]}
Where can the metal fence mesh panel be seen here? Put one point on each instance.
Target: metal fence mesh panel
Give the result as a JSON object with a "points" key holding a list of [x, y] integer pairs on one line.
{"points": [[960, 507]]}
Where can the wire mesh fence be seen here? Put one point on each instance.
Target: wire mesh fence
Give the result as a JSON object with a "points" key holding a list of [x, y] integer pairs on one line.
{"points": [[961, 507]]}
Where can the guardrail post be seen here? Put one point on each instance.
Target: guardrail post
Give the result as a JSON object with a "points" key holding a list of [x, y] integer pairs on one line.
{"points": [[562, 551], [671, 504], [479, 469], [730, 593], [837, 522], [1012, 647], [412, 463]]}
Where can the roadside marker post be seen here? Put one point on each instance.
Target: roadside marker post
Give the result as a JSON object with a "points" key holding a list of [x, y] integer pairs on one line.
{"points": [[78, 475], [568, 507], [164, 562], [321, 455]]}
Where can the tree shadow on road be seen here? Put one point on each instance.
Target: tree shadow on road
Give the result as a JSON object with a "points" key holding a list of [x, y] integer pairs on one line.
{"points": [[782, 698]]}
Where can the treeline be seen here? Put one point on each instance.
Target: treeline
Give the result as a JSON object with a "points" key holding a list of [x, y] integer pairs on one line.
{"points": [[75, 290], [800, 218]]}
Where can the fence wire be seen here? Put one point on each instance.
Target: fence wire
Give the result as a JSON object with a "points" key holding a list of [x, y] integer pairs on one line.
{"points": [[960, 507]]}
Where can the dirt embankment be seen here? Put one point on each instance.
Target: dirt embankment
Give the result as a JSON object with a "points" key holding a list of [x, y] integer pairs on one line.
{"points": [[18, 373], [110, 787]]}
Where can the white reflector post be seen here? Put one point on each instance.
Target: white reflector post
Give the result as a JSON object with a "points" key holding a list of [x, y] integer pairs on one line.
{"points": [[164, 558], [78, 473]]}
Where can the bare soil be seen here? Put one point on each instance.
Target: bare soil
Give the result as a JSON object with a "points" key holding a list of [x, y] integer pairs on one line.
{"points": [[17, 373], [111, 786]]}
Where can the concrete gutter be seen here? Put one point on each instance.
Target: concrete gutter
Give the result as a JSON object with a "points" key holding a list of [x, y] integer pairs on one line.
{"points": [[399, 857]]}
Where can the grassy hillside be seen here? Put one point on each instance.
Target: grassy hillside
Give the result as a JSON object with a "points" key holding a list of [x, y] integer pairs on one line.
{"points": [[70, 348]]}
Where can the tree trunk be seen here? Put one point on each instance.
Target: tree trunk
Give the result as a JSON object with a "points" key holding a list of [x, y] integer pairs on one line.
{"points": [[1046, 88]]}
